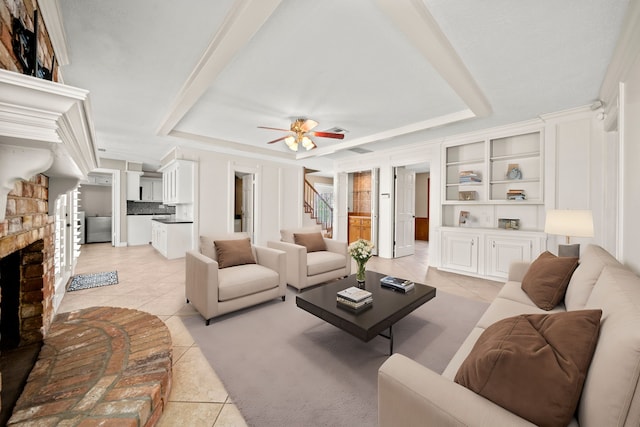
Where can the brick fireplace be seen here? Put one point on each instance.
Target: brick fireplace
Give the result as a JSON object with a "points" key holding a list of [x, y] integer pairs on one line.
{"points": [[27, 277]]}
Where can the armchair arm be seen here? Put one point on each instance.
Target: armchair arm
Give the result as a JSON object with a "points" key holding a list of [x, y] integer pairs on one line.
{"points": [[296, 262], [517, 270], [274, 259], [411, 395], [201, 283], [339, 248]]}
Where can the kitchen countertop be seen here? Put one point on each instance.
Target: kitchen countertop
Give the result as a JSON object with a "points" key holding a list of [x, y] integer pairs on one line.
{"points": [[172, 221]]}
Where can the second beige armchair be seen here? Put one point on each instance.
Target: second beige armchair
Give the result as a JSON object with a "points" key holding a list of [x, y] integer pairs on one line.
{"points": [[311, 258]]}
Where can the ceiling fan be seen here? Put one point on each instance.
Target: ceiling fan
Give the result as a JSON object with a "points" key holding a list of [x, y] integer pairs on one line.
{"points": [[301, 129]]}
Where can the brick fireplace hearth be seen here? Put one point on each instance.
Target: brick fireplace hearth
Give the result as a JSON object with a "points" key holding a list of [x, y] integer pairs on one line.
{"points": [[27, 280]]}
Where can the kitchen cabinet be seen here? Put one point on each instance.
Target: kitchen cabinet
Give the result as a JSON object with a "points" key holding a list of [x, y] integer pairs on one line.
{"points": [[138, 230], [359, 228], [151, 189], [177, 182], [133, 185], [171, 239]]}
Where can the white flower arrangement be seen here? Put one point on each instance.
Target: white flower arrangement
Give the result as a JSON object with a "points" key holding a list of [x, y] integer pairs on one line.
{"points": [[361, 250]]}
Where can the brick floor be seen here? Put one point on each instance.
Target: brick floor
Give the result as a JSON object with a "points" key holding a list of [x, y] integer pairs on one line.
{"points": [[99, 366]]}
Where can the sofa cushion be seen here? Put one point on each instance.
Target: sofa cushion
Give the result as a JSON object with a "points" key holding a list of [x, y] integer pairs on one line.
{"points": [[243, 280], [234, 252], [534, 365], [547, 278], [611, 394], [314, 242], [592, 260], [502, 308], [286, 235], [323, 261]]}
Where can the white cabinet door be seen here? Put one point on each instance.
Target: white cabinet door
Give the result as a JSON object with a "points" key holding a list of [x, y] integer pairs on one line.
{"points": [[156, 192], [177, 180], [502, 251], [133, 186], [460, 251], [138, 230], [147, 189]]}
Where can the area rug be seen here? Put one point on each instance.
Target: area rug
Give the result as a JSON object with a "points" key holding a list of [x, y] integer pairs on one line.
{"points": [[285, 367], [92, 280]]}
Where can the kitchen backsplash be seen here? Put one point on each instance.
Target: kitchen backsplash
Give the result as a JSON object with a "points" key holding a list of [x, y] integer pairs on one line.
{"points": [[149, 208]]}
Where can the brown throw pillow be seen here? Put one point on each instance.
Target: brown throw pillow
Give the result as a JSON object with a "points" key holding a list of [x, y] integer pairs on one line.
{"points": [[546, 280], [312, 241], [234, 252], [534, 365]]}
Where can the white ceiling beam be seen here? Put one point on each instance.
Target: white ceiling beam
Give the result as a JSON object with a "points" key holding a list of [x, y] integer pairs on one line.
{"points": [[242, 22], [390, 133], [414, 19]]}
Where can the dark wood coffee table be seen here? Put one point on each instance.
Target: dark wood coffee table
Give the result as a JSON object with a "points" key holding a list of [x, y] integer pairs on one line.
{"points": [[388, 307]]}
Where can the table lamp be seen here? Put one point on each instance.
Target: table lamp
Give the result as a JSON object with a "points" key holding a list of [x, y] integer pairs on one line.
{"points": [[569, 223]]}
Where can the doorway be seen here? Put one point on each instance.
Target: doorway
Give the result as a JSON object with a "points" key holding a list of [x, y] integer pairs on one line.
{"points": [[243, 215], [362, 206], [411, 207]]}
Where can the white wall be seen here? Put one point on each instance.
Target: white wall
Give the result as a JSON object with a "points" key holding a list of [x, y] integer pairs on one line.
{"points": [[278, 198], [630, 163]]}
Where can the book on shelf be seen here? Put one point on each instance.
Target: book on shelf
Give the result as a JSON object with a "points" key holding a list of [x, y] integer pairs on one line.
{"points": [[516, 195], [354, 294], [468, 176], [397, 284]]}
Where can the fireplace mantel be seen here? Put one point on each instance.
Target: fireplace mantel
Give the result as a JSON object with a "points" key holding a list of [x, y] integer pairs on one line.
{"points": [[45, 127]]}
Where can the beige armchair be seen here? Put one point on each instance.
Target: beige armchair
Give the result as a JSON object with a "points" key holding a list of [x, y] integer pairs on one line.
{"points": [[307, 268], [214, 289]]}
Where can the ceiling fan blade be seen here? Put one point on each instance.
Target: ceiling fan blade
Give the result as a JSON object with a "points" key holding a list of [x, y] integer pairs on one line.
{"points": [[308, 125], [276, 140], [265, 127], [329, 135]]}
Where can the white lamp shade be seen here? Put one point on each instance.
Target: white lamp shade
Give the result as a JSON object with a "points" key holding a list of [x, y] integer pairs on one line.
{"points": [[570, 223]]}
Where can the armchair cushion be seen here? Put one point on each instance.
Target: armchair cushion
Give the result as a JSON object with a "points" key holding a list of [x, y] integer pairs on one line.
{"points": [[234, 252], [534, 365], [243, 280], [323, 261], [286, 234], [314, 242]]}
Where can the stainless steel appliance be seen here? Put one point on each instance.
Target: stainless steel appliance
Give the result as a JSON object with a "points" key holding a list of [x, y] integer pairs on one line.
{"points": [[98, 229]]}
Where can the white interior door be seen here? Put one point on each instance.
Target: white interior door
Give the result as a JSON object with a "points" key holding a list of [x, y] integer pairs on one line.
{"points": [[405, 212], [247, 204]]}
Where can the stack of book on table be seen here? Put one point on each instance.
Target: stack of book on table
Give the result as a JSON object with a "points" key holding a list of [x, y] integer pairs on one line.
{"points": [[397, 284], [354, 299]]}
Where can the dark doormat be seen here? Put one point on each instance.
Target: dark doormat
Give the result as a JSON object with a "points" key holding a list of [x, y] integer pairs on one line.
{"points": [[92, 280]]}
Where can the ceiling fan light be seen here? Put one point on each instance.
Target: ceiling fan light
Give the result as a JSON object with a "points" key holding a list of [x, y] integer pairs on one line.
{"points": [[291, 143], [307, 143]]}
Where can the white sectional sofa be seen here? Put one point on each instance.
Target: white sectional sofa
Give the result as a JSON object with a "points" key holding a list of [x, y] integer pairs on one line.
{"points": [[410, 394]]}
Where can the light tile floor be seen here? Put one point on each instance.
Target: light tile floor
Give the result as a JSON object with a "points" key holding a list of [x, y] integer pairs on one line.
{"points": [[149, 282]]}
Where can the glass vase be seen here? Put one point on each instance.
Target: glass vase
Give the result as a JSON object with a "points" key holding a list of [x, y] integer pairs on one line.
{"points": [[360, 274]]}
